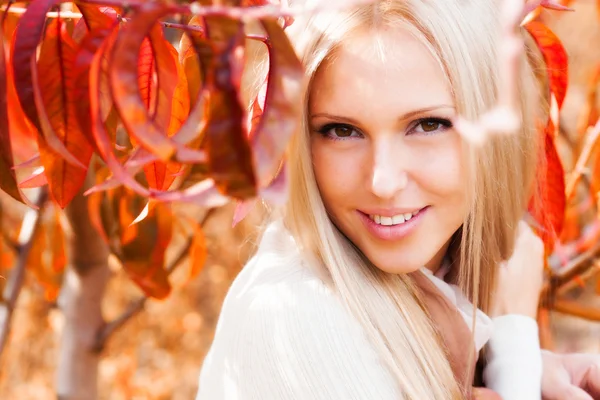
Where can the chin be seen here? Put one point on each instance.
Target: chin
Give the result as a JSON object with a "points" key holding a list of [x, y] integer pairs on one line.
{"points": [[396, 265]]}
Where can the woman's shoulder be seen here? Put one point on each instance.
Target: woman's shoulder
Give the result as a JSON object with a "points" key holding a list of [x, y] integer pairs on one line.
{"points": [[283, 333], [278, 273]]}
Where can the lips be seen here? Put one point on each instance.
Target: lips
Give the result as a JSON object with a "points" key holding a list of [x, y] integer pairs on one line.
{"points": [[391, 224], [393, 220]]}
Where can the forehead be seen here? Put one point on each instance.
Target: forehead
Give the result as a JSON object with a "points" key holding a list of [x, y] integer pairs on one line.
{"points": [[384, 68]]}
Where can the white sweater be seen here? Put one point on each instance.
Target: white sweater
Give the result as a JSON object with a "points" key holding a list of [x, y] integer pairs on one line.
{"points": [[283, 335]]}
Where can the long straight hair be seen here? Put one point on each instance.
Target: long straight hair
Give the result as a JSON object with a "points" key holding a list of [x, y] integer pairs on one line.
{"points": [[462, 35]]}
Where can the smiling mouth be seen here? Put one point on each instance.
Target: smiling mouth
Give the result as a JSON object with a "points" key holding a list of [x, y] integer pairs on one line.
{"points": [[398, 219]]}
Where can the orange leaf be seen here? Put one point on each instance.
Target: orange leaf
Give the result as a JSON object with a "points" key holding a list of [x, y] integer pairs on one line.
{"points": [[8, 180], [59, 258], [144, 256], [124, 79], [198, 252], [190, 60], [278, 122], [57, 85], [548, 208], [37, 263], [555, 57], [160, 175]]}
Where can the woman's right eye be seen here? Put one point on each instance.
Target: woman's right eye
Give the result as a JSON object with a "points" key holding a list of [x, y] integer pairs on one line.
{"points": [[339, 131]]}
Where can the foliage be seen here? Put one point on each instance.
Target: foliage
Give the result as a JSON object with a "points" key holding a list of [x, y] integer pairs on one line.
{"points": [[101, 91], [92, 90]]}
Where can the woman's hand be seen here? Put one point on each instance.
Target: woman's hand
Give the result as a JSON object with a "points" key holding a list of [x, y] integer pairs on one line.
{"points": [[570, 376], [520, 278]]}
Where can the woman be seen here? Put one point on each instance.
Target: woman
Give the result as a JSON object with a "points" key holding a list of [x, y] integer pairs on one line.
{"points": [[394, 226]]}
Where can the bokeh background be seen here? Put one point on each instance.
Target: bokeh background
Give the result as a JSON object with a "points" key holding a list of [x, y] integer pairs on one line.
{"points": [[158, 353]]}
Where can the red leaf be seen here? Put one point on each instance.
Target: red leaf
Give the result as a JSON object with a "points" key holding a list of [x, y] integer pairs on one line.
{"points": [[229, 154], [189, 59], [8, 180], [38, 179], [198, 252], [161, 175], [57, 86], [26, 39], [555, 57], [549, 207], [101, 137], [124, 81], [282, 105], [144, 254]]}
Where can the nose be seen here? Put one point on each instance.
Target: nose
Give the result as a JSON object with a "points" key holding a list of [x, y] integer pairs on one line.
{"points": [[389, 176]]}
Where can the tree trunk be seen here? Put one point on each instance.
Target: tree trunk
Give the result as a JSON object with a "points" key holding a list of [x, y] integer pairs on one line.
{"points": [[84, 284]]}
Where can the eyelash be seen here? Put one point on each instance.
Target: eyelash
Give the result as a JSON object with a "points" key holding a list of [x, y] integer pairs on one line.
{"points": [[444, 123]]}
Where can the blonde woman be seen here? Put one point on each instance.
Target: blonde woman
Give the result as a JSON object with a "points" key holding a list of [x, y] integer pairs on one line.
{"points": [[364, 288]]}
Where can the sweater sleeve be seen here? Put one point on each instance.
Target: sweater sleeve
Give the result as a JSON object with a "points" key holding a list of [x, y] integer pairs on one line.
{"points": [[514, 367], [296, 343]]}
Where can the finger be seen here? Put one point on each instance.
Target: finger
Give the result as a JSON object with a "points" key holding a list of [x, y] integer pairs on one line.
{"points": [[485, 394], [591, 380], [569, 392]]}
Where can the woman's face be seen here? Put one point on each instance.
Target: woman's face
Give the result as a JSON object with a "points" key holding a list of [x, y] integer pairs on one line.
{"points": [[387, 161]]}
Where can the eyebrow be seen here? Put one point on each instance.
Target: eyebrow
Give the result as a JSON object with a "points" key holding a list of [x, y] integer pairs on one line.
{"points": [[403, 117]]}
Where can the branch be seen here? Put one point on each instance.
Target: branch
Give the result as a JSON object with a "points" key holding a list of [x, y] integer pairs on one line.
{"points": [[31, 223], [575, 309], [138, 305], [591, 142], [576, 267]]}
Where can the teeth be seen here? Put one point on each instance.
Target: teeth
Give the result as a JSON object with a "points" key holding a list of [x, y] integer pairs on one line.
{"points": [[398, 219], [395, 220], [386, 221]]}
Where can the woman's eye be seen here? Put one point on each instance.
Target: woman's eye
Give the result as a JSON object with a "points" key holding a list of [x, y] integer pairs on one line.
{"points": [[337, 131], [431, 125]]}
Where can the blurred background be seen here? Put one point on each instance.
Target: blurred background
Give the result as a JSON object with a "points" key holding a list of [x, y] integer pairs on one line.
{"points": [[158, 353]]}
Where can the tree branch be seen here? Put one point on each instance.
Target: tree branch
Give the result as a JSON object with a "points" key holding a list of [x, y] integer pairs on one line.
{"points": [[591, 142], [578, 266], [138, 305], [575, 309], [31, 223]]}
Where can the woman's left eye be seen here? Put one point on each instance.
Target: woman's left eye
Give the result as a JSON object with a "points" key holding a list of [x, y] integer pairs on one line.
{"points": [[432, 125]]}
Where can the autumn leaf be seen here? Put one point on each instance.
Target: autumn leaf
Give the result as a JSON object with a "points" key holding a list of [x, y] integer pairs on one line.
{"points": [[24, 49], [189, 59], [555, 57], [549, 204], [144, 253], [282, 105], [124, 81], [100, 134], [38, 264], [57, 85], [8, 180], [59, 258], [229, 155], [167, 100], [198, 252]]}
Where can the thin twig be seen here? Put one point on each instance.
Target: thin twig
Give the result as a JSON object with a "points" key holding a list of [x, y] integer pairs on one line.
{"points": [[591, 142], [138, 305], [575, 309], [30, 226], [576, 267]]}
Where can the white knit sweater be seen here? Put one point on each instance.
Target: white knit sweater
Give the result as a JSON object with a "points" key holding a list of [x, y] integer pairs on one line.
{"points": [[283, 335]]}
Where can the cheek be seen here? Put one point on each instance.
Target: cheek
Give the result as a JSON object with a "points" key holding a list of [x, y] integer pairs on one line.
{"points": [[444, 177], [337, 174]]}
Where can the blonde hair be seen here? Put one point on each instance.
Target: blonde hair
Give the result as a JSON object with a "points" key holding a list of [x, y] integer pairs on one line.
{"points": [[463, 37]]}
